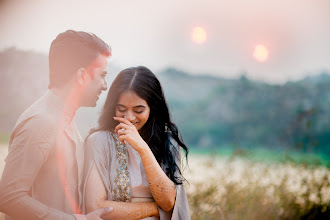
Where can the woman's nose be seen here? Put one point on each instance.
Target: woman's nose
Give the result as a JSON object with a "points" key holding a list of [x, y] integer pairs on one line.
{"points": [[129, 116]]}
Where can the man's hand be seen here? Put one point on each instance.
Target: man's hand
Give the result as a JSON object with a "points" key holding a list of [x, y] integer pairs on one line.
{"points": [[99, 213]]}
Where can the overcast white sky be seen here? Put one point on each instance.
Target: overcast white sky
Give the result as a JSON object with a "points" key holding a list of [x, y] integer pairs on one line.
{"points": [[157, 34]]}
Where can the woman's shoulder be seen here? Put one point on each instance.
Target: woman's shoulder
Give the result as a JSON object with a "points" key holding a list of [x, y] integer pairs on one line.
{"points": [[97, 147], [97, 135], [99, 138]]}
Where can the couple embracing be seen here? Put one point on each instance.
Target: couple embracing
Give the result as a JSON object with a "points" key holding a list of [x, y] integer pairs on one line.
{"points": [[128, 167]]}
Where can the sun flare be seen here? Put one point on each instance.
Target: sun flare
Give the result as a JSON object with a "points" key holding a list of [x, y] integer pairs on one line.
{"points": [[199, 35], [260, 53]]}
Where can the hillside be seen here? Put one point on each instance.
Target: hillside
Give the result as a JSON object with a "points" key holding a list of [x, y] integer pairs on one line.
{"points": [[211, 112]]}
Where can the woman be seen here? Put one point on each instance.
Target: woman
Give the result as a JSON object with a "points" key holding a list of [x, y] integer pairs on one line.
{"points": [[132, 159]]}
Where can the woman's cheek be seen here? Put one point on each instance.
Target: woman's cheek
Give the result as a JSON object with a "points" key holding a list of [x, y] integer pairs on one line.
{"points": [[119, 114]]}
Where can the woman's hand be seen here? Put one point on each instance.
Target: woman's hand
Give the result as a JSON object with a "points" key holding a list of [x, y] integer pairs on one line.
{"points": [[162, 188], [127, 132]]}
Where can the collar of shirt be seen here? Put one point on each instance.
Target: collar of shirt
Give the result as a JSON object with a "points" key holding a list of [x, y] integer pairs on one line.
{"points": [[66, 108]]}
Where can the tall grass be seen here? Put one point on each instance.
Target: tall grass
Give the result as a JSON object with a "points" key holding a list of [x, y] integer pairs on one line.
{"points": [[232, 188], [3, 154], [237, 188]]}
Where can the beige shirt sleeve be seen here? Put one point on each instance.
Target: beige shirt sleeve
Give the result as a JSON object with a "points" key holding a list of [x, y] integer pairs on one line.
{"points": [[29, 149]]}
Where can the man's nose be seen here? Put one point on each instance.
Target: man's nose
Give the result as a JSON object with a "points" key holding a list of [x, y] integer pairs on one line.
{"points": [[105, 85]]}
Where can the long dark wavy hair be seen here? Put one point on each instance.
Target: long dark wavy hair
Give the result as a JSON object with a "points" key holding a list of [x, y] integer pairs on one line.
{"points": [[159, 127]]}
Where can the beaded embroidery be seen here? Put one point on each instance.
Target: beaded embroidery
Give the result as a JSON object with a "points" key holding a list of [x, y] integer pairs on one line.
{"points": [[122, 184]]}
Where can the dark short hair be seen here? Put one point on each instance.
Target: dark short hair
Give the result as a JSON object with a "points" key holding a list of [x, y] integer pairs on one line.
{"points": [[70, 51]]}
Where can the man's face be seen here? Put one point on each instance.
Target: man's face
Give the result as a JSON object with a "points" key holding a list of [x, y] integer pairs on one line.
{"points": [[95, 82]]}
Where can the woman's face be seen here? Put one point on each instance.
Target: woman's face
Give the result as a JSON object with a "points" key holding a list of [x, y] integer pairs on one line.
{"points": [[133, 108]]}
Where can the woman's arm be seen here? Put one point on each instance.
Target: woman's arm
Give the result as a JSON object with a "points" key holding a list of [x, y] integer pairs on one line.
{"points": [[162, 188], [96, 197]]}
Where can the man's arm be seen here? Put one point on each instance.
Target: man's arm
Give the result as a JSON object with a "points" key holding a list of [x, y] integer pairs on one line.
{"points": [[28, 152]]}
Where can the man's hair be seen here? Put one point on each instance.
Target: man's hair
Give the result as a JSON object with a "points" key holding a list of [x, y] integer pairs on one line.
{"points": [[70, 51]]}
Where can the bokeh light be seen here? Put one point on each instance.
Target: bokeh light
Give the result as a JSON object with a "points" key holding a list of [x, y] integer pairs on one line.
{"points": [[199, 35], [260, 53]]}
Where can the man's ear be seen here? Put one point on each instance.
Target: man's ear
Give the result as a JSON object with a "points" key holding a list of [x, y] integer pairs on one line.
{"points": [[81, 76]]}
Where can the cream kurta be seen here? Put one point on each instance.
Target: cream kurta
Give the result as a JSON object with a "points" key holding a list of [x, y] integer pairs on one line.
{"points": [[100, 149], [43, 171]]}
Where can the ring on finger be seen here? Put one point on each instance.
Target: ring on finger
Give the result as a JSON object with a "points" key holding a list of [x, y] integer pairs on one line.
{"points": [[122, 130]]}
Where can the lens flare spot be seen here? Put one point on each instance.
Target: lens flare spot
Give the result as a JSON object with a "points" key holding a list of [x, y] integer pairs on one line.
{"points": [[260, 53], [199, 35]]}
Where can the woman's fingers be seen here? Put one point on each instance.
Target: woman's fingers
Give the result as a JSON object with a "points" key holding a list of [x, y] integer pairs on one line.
{"points": [[126, 139], [128, 133], [121, 126], [123, 120], [121, 131], [122, 138]]}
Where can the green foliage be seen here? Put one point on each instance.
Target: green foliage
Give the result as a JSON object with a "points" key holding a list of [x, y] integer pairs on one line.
{"points": [[4, 138], [264, 155], [295, 116], [209, 111], [24, 78]]}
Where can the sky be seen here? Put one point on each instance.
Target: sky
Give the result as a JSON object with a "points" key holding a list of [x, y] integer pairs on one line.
{"points": [[158, 34]]}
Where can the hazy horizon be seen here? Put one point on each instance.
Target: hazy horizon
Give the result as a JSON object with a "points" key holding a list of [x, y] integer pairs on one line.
{"points": [[158, 35], [117, 68]]}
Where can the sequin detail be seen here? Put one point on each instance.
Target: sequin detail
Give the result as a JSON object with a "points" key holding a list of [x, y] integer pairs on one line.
{"points": [[122, 184]]}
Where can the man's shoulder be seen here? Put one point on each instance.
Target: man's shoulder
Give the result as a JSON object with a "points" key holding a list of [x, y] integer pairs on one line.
{"points": [[37, 116], [34, 122], [41, 110]]}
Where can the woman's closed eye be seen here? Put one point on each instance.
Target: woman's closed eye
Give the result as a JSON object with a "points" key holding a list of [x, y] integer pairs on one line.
{"points": [[139, 109], [121, 109], [139, 112]]}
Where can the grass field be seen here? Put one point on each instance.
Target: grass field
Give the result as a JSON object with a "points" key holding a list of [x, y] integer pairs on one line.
{"points": [[3, 154], [233, 187]]}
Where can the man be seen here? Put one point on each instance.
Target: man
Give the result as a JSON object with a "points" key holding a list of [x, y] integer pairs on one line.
{"points": [[42, 177]]}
